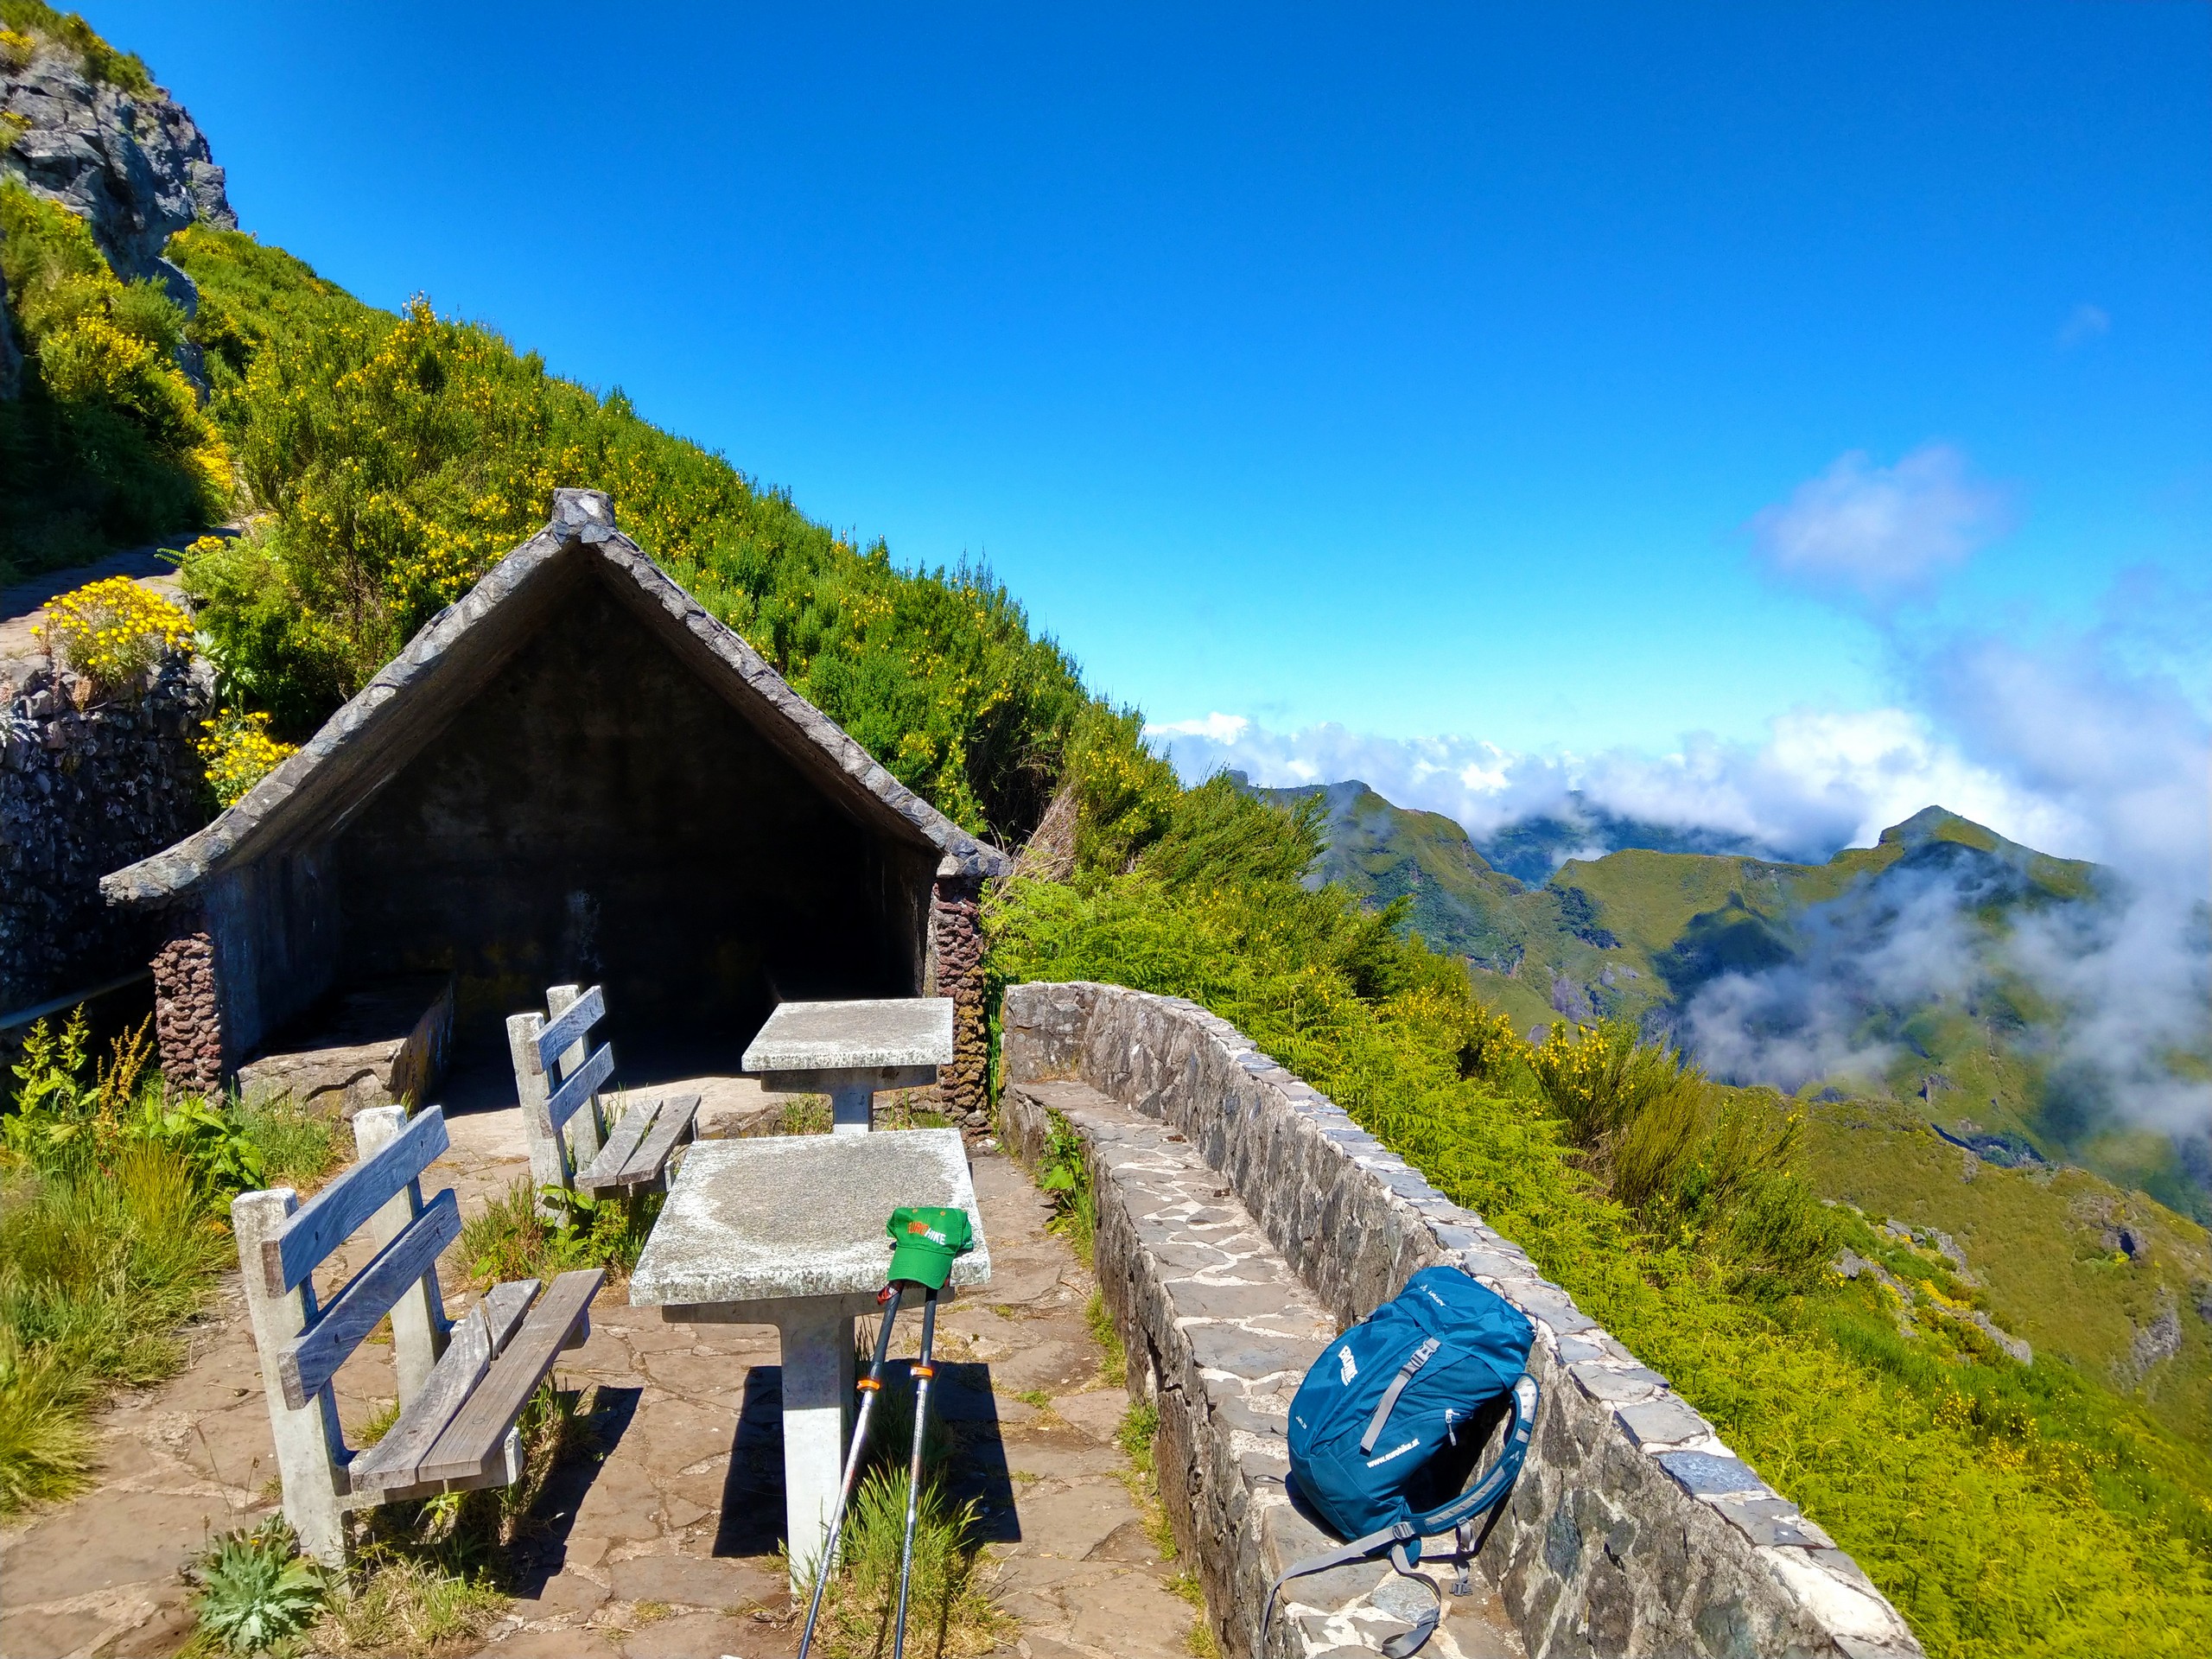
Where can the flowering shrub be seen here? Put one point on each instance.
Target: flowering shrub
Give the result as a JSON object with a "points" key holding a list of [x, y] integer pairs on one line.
{"points": [[112, 631], [239, 753], [107, 445]]}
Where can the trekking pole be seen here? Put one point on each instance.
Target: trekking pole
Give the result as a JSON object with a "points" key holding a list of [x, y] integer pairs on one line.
{"points": [[870, 1387], [923, 1372]]}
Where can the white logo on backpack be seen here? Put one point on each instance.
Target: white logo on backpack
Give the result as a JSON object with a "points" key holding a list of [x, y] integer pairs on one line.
{"points": [[1345, 1363], [1395, 1452]]}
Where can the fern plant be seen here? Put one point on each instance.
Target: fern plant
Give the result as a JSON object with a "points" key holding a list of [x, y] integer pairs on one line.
{"points": [[256, 1595]]}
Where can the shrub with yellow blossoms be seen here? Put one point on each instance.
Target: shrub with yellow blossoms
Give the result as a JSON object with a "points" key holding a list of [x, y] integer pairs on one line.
{"points": [[113, 632], [239, 753]]}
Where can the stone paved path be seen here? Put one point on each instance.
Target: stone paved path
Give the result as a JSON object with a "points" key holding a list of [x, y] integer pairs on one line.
{"points": [[663, 1546]]}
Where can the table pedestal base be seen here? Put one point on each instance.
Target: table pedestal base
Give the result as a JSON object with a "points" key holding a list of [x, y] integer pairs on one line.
{"points": [[852, 1109], [818, 1379]]}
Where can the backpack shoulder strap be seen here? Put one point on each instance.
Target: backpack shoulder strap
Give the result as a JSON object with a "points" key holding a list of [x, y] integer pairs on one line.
{"points": [[1403, 1545]]}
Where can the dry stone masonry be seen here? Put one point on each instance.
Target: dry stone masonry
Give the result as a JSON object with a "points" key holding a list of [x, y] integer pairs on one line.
{"points": [[85, 788], [1633, 1529], [956, 937], [187, 1008]]}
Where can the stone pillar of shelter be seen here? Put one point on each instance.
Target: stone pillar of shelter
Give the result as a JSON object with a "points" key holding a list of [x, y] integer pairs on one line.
{"points": [[189, 1006], [956, 944]]}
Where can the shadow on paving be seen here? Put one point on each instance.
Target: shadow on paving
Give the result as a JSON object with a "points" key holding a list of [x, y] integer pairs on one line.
{"points": [[540, 1548], [752, 1518]]}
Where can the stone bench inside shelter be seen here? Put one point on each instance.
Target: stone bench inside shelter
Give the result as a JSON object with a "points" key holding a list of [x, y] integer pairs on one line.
{"points": [[382, 1044]]}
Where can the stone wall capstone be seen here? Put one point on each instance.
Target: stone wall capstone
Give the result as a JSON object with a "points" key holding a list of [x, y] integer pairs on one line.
{"points": [[84, 790], [1634, 1528]]}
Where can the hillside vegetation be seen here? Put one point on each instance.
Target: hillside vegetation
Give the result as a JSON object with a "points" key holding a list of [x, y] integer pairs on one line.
{"points": [[393, 460], [2007, 1509], [2110, 1282], [106, 443]]}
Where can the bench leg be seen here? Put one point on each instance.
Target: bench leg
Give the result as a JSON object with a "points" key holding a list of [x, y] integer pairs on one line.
{"points": [[418, 1318], [308, 1441]]}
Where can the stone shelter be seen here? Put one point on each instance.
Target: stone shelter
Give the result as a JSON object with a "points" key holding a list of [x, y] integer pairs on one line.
{"points": [[574, 773]]}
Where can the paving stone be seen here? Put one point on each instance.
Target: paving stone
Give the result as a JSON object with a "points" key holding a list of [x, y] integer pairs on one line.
{"points": [[688, 1636]]}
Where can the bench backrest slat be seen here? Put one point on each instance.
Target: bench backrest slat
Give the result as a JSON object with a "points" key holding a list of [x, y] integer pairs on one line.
{"points": [[313, 1357], [570, 1027], [561, 1105], [327, 1220]]}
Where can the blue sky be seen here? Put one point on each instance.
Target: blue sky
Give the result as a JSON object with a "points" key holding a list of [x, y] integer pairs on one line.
{"points": [[1424, 373]]}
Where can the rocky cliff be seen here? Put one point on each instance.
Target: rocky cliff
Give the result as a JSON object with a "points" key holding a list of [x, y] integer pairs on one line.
{"points": [[127, 159]]}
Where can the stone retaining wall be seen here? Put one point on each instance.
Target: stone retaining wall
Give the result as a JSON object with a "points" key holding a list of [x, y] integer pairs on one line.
{"points": [[1634, 1528], [84, 790]]}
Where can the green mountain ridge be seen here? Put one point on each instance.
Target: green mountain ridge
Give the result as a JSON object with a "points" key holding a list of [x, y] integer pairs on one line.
{"points": [[1638, 934]]}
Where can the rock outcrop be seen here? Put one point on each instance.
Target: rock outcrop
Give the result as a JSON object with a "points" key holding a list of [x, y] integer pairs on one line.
{"points": [[131, 164]]}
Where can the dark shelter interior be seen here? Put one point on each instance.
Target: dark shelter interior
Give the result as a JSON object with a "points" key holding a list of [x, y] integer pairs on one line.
{"points": [[598, 813]]}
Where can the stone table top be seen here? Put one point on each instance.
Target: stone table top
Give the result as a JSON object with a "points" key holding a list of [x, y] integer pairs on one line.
{"points": [[848, 1036], [802, 1214]]}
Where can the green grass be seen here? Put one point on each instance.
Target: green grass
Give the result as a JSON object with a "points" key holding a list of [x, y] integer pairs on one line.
{"points": [[113, 1225], [298, 1147], [99, 1262], [508, 1239], [2041, 1242]]}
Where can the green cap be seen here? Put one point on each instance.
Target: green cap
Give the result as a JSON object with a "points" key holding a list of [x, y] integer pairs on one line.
{"points": [[925, 1240]]}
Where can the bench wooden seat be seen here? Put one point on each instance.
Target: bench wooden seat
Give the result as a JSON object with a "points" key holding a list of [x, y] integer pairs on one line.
{"points": [[558, 1078], [462, 1384]]}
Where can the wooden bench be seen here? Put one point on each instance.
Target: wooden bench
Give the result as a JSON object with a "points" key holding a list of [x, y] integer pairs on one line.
{"points": [[462, 1384], [558, 1076]]}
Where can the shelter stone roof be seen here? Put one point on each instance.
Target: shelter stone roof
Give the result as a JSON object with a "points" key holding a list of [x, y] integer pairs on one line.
{"points": [[364, 745]]}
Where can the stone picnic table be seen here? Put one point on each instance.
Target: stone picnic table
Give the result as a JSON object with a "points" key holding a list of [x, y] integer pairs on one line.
{"points": [[849, 1050], [788, 1230]]}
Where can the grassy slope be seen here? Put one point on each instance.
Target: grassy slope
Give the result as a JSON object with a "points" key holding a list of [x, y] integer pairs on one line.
{"points": [[2042, 1244]]}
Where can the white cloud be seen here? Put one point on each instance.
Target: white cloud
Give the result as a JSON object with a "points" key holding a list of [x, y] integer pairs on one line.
{"points": [[1215, 728], [1880, 532], [2083, 324], [1821, 780]]}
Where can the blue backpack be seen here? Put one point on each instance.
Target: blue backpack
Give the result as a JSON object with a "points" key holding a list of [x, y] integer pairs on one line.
{"points": [[1384, 1429]]}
